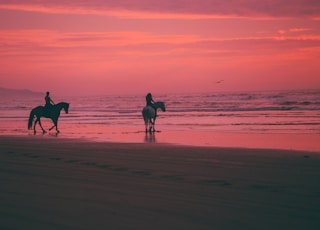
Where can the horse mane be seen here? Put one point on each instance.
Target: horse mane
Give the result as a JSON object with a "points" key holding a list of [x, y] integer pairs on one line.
{"points": [[159, 103], [62, 103]]}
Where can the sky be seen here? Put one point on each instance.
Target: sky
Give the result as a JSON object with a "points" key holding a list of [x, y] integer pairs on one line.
{"points": [[137, 46]]}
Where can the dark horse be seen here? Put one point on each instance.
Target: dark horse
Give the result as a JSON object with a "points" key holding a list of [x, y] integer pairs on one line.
{"points": [[54, 114], [149, 115]]}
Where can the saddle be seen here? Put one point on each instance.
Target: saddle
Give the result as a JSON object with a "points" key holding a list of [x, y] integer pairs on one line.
{"points": [[47, 110], [152, 111]]}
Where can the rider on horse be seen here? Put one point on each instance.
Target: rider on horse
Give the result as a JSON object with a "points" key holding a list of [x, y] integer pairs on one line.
{"points": [[149, 112], [49, 103], [150, 102]]}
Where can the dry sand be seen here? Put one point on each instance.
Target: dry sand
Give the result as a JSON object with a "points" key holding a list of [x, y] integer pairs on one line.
{"points": [[55, 183]]}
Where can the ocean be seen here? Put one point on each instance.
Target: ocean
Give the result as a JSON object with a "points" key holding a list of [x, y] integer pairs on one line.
{"points": [[266, 112]]}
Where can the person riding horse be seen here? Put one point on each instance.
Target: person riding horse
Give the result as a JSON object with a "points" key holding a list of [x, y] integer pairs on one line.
{"points": [[149, 112], [49, 103], [150, 102]]}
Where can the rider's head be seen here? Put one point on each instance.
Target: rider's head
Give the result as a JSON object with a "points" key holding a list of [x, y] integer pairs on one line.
{"points": [[48, 93]]}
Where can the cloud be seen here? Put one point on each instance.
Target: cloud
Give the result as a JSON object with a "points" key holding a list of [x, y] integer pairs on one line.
{"points": [[178, 9], [90, 39], [298, 30], [101, 47], [119, 12], [51, 38]]}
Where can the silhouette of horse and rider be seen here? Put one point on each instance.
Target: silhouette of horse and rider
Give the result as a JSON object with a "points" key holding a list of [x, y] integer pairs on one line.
{"points": [[52, 111], [149, 112]]}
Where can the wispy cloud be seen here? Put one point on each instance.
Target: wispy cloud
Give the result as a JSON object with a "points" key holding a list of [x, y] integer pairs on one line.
{"points": [[116, 12], [90, 39], [294, 31], [298, 30], [104, 45], [180, 9], [112, 39]]}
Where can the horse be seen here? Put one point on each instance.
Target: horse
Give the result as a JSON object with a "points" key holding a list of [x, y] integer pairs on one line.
{"points": [[54, 114], [149, 115]]}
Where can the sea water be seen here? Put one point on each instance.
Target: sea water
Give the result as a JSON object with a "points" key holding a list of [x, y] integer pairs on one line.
{"points": [[268, 112]]}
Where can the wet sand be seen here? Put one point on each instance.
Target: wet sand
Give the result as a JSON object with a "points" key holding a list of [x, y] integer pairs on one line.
{"points": [[57, 183], [165, 135]]}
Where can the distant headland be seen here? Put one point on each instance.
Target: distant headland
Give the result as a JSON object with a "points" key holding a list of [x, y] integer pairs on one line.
{"points": [[7, 92]]}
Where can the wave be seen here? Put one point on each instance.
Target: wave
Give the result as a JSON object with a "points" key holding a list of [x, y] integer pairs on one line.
{"points": [[291, 110]]}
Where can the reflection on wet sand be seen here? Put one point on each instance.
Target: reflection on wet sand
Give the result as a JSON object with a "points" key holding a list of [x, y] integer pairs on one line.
{"points": [[107, 133], [150, 137]]}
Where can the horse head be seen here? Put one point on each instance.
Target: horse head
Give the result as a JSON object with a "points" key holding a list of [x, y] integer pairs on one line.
{"points": [[161, 105], [66, 107]]}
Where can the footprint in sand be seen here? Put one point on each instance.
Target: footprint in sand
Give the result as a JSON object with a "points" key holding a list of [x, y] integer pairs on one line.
{"points": [[29, 155], [34, 156], [173, 177], [104, 166], [89, 163], [120, 169], [11, 153], [56, 158], [142, 173], [261, 187], [72, 161], [215, 182]]}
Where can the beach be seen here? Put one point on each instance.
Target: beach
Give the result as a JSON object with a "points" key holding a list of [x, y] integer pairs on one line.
{"points": [[65, 183], [159, 115]]}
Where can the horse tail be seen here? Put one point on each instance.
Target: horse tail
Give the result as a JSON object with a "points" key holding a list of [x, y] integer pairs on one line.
{"points": [[31, 119]]}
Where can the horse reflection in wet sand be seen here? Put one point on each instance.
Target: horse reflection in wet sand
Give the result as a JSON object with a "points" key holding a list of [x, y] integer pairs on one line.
{"points": [[149, 115], [54, 114]]}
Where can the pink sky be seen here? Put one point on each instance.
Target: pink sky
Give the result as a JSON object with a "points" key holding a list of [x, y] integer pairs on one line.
{"points": [[118, 47]]}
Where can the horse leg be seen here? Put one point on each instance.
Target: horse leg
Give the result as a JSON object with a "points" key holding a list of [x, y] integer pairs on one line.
{"points": [[55, 122], [146, 124], [34, 127], [150, 125], [43, 131], [52, 127], [57, 126], [153, 124]]}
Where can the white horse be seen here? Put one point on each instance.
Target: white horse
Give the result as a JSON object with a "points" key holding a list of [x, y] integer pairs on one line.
{"points": [[149, 115]]}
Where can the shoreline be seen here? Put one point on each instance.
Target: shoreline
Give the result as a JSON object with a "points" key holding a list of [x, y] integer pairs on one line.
{"points": [[52, 138], [50, 183], [117, 134]]}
